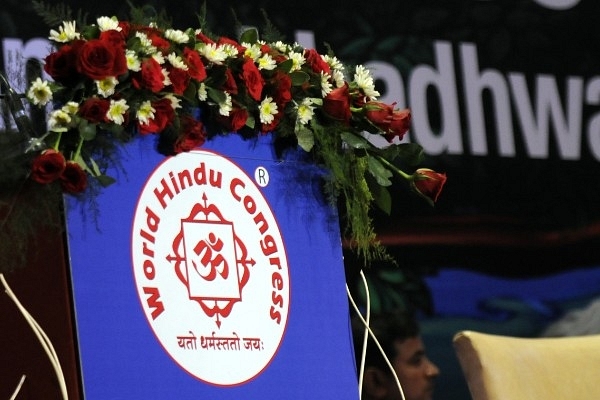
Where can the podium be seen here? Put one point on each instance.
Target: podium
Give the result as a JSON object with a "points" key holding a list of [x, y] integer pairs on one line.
{"points": [[214, 274]]}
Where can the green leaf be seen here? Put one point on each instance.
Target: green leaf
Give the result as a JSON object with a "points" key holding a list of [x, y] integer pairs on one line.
{"points": [[411, 153], [379, 171], [250, 35], [81, 162], [87, 131], [251, 122], [382, 198], [286, 66], [105, 180], [94, 170], [355, 141], [191, 93], [306, 138], [299, 78], [218, 96]]}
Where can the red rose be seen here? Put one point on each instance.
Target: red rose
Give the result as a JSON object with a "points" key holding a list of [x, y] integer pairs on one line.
{"points": [[379, 114], [194, 134], [428, 183], [196, 68], [203, 38], [316, 61], [266, 128], [399, 125], [99, 59], [150, 77], [94, 110], [225, 40], [235, 121], [48, 166], [265, 48], [155, 36], [337, 104], [230, 85], [179, 80], [163, 116], [280, 88], [114, 37], [61, 65], [252, 78], [125, 28], [73, 179]]}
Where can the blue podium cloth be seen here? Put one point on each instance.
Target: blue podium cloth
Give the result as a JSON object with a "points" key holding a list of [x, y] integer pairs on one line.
{"points": [[122, 353]]}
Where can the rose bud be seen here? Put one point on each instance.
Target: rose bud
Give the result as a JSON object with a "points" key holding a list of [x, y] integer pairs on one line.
{"points": [[48, 166], [379, 114], [398, 125], [73, 179], [337, 104], [428, 183]]}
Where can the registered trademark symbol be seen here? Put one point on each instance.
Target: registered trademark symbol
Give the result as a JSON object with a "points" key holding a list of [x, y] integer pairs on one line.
{"points": [[261, 176]]}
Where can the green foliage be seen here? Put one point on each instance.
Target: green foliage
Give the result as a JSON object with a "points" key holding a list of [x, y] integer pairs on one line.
{"points": [[147, 13], [270, 32], [55, 14]]}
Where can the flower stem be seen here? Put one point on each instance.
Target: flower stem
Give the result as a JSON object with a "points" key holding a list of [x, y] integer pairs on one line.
{"points": [[78, 150], [57, 143], [395, 169]]}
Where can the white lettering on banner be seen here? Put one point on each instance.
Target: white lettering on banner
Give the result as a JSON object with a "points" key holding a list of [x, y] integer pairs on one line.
{"points": [[592, 96], [423, 77], [557, 4], [543, 113]]}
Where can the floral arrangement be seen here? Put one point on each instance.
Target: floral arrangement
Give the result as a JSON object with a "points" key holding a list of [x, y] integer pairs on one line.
{"points": [[113, 80]]}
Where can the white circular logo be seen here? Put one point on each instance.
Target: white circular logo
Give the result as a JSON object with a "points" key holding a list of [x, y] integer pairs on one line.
{"points": [[210, 268]]}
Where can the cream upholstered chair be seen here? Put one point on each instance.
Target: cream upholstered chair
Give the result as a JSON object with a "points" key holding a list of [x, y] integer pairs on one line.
{"points": [[510, 368]]}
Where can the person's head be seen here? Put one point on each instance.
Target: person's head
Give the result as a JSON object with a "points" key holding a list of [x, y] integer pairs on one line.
{"points": [[400, 338]]}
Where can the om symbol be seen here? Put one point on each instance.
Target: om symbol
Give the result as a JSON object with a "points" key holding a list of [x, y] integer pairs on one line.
{"points": [[211, 261]]}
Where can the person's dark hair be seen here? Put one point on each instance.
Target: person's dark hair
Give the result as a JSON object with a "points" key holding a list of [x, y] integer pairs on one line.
{"points": [[388, 327]]}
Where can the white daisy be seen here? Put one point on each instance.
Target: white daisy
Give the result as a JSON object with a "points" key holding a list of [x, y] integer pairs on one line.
{"points": [[298, 60], [338, 78], [305, 111], [177, 36], [71, 107], [145, 113], [39, 92], [117, 110], [66, 33], [252, 51], [268, 110], [212, 52], [133, 61], [166, 79], [326, 86], [202, 92], [230, 50], [59, 121], [147, 46], [226, 106], [108, 24], [106, 87], [364, 80], [177, 61], [175, 101], [333, 62], [266, 62], [159, 58], [281, 46]]}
